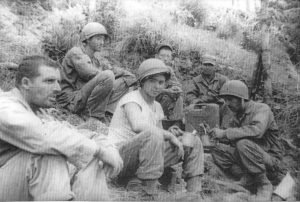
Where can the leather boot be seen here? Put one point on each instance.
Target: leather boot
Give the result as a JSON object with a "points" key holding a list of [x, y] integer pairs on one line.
{"points": [[150, 186], [194, 184], [264, 187], [147, 189], [245, 181]]}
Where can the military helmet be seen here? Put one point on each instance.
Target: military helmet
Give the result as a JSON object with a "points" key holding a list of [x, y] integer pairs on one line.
{"points": [[163, 45], [91, 29], [151, 67], [235, 88]]}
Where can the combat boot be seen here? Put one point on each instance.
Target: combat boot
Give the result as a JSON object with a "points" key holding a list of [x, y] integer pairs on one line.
{"points": [[246, 181], [264, 187], [194, 184], [150, 189], [147, 189]]}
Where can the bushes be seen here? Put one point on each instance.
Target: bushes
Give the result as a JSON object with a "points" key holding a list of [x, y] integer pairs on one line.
{"points": [[197, 11], [107, 14], [61, 38]]}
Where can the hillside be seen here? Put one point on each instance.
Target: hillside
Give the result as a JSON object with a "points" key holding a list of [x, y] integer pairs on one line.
{"points": [[230, 32]]}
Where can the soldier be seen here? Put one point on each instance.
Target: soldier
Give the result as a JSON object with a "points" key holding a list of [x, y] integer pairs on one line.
{"points": [[206, 86], [171, 97], [35, 149], [91, 86], [250, 145], [145, 147]]}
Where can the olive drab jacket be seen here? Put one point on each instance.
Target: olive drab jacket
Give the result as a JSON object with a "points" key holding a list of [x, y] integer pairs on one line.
{"points": [[257, 123], [78, 68], [202, 91]]}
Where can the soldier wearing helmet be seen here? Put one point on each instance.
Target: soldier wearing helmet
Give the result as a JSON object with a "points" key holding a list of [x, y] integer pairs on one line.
{"points": [[250, 145], [205, 87], [136, 130], [171, 97], [90, 85]]}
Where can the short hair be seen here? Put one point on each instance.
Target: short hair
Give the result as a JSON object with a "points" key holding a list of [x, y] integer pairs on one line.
{"points": [[29, 67]]}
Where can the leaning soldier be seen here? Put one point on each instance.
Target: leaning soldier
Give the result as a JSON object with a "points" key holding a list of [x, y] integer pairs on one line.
{"points": [[35, 148], [90, 85], [250, 145], [171, 97], [146, 148]]}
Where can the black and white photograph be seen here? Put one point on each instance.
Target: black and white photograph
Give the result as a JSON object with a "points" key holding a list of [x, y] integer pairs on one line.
{"points": [[150, 100]]}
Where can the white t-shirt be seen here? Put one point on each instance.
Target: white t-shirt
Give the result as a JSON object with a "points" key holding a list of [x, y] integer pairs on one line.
{"points": [[120, 129]]}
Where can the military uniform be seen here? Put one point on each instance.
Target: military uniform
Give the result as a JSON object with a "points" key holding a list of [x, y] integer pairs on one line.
{"points": [[203, 91], [252, 144], [171, 103], [91, 85]]}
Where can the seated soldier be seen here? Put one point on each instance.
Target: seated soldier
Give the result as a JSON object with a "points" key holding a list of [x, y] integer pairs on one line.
{"points": [[206, 86], [89, 84], [145, 147], [171, 97], [250, 145], [34, 150]]}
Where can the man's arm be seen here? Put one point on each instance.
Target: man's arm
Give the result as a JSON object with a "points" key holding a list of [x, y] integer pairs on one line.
{"points": [[255, 129], [26, 131], [193, 93], [127, 76], [173, 81], [82, 64]]}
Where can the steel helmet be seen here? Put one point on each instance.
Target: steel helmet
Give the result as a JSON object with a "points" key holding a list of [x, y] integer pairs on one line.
{"points": [[91, 29], [236, 88], [152, 66]]}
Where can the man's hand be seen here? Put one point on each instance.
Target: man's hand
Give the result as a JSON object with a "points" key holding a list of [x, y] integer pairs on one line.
{"points": [[175, 142], [172, 90], [218, 133], [175, 130], [176, 89], [112, 159]]}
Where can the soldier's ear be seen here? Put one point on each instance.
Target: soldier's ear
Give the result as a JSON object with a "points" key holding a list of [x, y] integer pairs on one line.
{"points": [[26, 83]]}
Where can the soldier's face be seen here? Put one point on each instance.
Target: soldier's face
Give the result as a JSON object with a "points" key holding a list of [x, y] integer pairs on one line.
{"points": [[166, 56], [42, 90], [153, 86], [234, 103], [96, 42], [208, 71]]}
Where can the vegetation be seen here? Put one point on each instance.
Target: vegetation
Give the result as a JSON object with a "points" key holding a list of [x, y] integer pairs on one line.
{"points": [[190, 26]]}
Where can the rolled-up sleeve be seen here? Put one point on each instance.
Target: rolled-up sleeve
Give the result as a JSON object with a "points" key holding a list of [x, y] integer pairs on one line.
{"points": [[23, 129]]}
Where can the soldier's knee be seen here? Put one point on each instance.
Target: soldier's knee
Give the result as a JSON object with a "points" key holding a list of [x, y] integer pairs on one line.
{"points": [[108, 77], [243, 145], [109, 74]]}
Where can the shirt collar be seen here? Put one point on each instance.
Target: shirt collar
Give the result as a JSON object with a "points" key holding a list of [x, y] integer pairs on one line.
{"points": [[216, 78], [17, 93]]}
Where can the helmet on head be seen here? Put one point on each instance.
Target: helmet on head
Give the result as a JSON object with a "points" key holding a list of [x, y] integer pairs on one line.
{"points": [[163, 45], [235, 88], [91, 29], [151, 67]]}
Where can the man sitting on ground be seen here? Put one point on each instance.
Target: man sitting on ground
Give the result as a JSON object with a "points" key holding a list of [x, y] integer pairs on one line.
{"points": [[90, 86], [171, 97], [145, 147], [34, 150], [206, 86]]}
